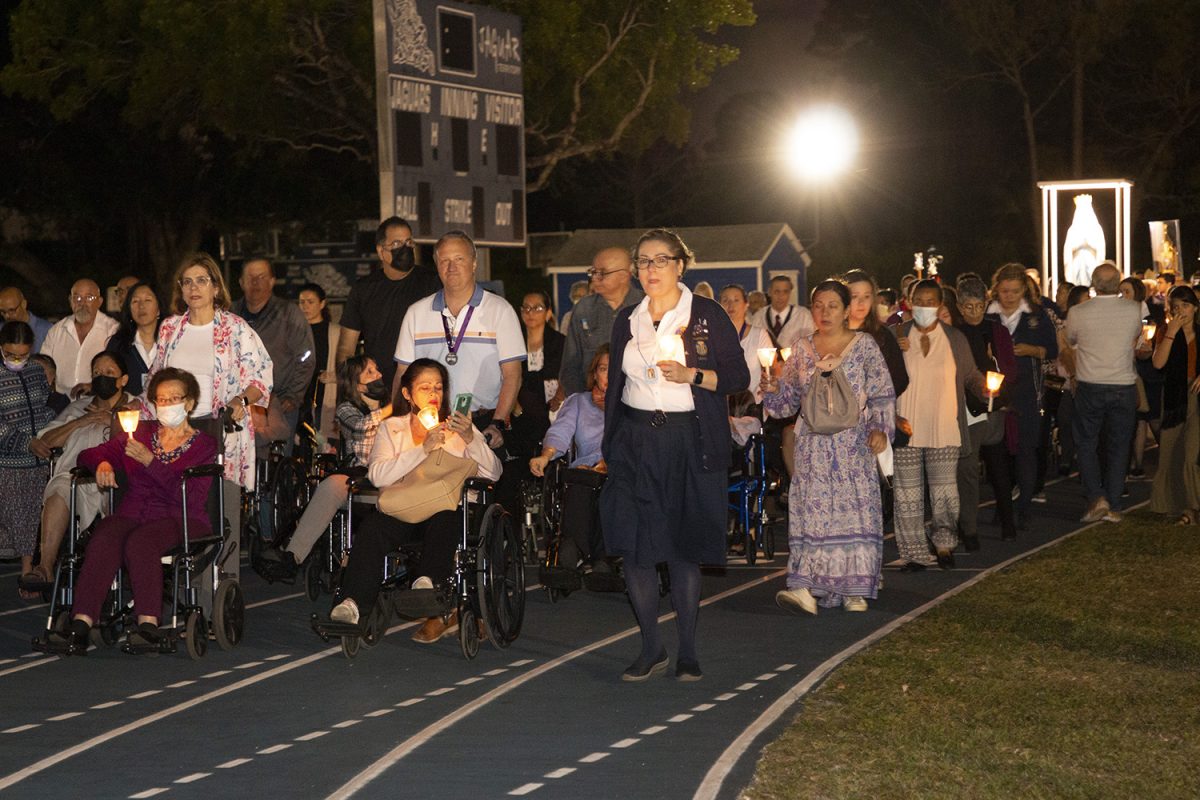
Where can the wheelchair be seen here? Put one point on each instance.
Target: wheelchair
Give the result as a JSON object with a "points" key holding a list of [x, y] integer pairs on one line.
{"points": [[322, 570], [487, 591], [201, 590], [750, 526], [282, 487]]}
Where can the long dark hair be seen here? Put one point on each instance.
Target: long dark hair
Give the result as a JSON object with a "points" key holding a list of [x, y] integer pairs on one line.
{"points": [[410, 377], [872, 323], [126, 334], [348, 373]]}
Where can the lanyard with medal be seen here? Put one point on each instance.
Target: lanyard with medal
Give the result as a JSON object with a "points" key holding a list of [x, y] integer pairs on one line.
{"points": [[452, 343], [668, 348]]}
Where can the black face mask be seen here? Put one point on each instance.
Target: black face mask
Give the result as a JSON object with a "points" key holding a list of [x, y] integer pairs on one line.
{"points": [[402, 259], [104, 386], [375, 390]]}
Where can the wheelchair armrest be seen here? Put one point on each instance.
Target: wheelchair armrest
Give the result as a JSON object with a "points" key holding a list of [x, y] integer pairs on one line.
{"points": [[356, 474], [204, 471], [56, 452], [82, 475], [479, 485]]}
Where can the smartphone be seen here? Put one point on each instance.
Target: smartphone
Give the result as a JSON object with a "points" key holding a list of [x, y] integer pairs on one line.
{"points": [[462, 403]]}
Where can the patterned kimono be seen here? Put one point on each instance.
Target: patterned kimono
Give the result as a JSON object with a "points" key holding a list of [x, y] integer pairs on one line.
{"points": [[241, 361], [835, 528]]}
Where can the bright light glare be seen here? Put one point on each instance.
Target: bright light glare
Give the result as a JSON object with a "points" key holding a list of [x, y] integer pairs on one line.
{"points": [[822, 143]]}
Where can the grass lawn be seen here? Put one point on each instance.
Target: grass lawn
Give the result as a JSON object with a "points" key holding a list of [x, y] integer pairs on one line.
{"points": [[1073, 674]]}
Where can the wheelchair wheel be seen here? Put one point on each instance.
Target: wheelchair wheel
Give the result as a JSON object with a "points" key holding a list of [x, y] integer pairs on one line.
{"points": [[377, 620], [312, 577], [195, 635], [501, 578], [750, 538], [350, 646], [229, 614], [468, 632], [289, 496], [766, 532]]}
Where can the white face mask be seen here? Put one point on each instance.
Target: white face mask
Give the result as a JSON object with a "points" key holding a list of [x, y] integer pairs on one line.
{"points": [[924, 316], [172, 416]]}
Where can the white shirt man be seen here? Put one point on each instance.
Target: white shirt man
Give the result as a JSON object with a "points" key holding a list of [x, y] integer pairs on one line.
{"points": [[785, 323], [73, 341]]}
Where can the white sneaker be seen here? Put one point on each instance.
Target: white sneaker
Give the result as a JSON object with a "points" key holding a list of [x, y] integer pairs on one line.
{"points": [[855, 604], [796, 600], [345, 611], [422, 582]]}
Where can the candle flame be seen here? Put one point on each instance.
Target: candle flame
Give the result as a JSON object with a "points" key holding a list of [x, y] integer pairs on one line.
{"points": [[129, 419], [428, 417], [766, 356], [670, 348], [785, 353], [994, 379], [1148, 331]]}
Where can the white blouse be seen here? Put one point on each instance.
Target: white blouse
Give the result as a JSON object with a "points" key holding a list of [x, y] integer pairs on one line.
{"points": [[395, 454], [645, 388]]}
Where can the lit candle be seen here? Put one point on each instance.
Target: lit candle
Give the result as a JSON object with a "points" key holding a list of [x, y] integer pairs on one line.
{"points": [[129, 419], [428, 417], [785, 353], [994, 379], [1148, 331], [670, 348], [766, 356]]}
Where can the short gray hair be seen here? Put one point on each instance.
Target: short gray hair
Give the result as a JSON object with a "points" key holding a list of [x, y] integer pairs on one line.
{"points": [[971, 287], [456, 236], [1106, 278]]}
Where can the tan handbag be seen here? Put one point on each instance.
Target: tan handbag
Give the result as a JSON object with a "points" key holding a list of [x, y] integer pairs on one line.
{"points": [[433, 485]]}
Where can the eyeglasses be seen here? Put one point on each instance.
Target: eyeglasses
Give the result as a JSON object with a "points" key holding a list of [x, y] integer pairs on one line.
{"points": [[84, 298], [397, 244], [8, 312], [973, 308], [658, 263], [198, 282], [532, 309], [173, 400], [599, 274]]}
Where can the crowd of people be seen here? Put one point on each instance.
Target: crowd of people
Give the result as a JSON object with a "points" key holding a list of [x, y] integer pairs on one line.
{"points": [[880, 404]]}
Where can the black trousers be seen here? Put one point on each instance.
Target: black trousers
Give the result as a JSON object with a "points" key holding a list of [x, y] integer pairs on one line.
{"points": [[581, 522], [379, 534]]}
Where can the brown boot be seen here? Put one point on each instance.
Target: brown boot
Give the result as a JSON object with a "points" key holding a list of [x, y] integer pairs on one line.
{"points": [[435, 629]]}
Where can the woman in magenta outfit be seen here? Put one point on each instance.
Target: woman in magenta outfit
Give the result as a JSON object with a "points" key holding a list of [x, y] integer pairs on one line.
{"points": [[149, 466]]}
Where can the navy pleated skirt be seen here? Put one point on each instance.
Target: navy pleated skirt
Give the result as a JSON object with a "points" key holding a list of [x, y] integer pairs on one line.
{"points": [[657, 505]]}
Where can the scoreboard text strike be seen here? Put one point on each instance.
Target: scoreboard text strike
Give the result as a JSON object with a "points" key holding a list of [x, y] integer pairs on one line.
{"points": [[452, 133]]}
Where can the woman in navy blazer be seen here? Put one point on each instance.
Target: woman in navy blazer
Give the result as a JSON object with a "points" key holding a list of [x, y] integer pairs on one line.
{"points": [[675, 359]]}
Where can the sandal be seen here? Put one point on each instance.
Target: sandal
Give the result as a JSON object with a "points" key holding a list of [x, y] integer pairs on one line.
{"points": [[1185, 519]]}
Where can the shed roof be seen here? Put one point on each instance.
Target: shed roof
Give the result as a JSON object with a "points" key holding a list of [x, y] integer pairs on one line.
{"points": [[713, 244]]}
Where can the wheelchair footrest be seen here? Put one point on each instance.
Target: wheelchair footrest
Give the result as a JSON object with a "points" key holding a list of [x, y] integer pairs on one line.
{"points": [[328, 629], [563, 578], [421, 603], [65, 647]]}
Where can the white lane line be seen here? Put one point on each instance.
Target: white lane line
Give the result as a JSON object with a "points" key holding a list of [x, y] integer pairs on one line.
{"points": [[703, 707], [109, 704], [526, 789], [308, 737], [32, 655], [137, 724], [275, 600], [721, 698], [6, 660], [592, 758], [347, 723], [68, 715], [412, 701], [522, 662], [621, 745], [28, 665], [275, 748], [439, 692], [469, 681], [680, 718], [766, 676], [653, 729], [422, 736], [217, 674], [745, 687], [710, 787], [249, 665], [23, 728], [149, 793], [179, 684], [23, 609], [491, 673], [561, 772], [237, 762], [785, 667], [195, 776], [380, 712], [145, 694], [279, 657]]}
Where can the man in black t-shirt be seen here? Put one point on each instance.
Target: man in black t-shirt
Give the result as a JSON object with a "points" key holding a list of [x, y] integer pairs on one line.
{"points": [[378, 302]]}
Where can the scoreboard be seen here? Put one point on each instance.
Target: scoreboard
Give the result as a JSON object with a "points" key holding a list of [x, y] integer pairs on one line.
{"points": [[451, 118]]}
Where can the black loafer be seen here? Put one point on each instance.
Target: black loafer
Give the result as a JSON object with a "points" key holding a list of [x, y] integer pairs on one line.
{"points": [[687, 671], [946, 560], [639, 671]]}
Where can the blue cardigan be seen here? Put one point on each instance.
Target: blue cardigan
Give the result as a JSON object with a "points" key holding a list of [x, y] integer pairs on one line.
{"points": [[710, 326]]}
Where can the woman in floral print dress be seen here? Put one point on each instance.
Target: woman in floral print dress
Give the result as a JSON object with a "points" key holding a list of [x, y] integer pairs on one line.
{"points": [[835, 530]]}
